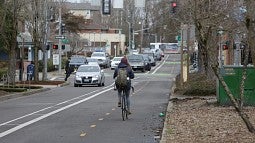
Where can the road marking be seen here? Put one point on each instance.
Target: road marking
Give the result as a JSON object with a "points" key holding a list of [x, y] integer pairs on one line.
{"points": [[54, 106], [50, 113], [160, 65], [82, 134], [101, 119], [107, 113], [93, 126]]}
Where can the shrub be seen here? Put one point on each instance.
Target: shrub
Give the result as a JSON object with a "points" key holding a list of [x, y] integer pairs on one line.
{"points": [[50, 66]]}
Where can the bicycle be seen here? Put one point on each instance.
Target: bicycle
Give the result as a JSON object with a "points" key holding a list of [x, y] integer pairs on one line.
{"points": [[123, 101]]}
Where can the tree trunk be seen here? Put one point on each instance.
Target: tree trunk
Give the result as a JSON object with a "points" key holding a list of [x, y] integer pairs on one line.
{"points": [[13, 45]]}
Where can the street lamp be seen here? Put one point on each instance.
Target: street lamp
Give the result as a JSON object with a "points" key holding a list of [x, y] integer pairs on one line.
{"points": [[94, 41], [220, 32]]}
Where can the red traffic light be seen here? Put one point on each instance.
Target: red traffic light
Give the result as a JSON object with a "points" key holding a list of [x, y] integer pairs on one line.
{"points": [[174, 4], [55, 46], [225, 47]]}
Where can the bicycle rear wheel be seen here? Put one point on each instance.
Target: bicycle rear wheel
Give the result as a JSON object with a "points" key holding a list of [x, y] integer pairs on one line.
{"points": [[124, 107]]}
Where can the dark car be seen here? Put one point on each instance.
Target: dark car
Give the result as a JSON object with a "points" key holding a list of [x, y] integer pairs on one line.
{"points": [[137, 62], [147, 62], [153, 62], [76, 61]]}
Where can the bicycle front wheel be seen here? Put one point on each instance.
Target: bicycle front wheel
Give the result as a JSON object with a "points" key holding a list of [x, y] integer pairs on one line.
{"points": [[124, 107]]}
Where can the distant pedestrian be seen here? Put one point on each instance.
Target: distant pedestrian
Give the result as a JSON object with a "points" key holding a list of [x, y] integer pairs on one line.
{"points": [[67, 69], [30, 71]]}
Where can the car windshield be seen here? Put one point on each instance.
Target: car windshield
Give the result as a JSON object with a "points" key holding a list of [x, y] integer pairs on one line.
{"points": [[91, 60], [149, 54], [88, 69], [97, 55], [77, 60], [116, 59], [135, 58]]}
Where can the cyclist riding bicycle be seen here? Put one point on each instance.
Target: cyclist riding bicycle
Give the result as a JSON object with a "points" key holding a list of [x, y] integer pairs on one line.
{"points": [[124, 64]]}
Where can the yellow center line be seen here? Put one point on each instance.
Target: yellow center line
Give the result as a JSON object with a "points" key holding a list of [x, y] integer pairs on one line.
{"points": [[82, 134], [93, 126]]}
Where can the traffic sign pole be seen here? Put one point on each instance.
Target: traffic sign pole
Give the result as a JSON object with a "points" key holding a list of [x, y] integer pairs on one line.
{"points": [[59, 41]]}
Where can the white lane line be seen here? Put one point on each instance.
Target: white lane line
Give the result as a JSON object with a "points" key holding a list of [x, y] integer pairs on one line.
{"points": [[160, 65], [49, 107], [49, 114]]}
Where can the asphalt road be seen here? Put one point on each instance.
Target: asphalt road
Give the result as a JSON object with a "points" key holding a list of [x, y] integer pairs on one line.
{"points": [[89, 114]]}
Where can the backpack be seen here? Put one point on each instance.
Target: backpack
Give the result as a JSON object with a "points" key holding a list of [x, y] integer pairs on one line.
{"points": [[121, 80]]}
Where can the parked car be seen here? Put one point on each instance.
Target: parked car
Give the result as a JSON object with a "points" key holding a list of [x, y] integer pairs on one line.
{"points": [[137, 62], [115, 62], [103, 59], [77, 61], [147, 62], [89, 74]]}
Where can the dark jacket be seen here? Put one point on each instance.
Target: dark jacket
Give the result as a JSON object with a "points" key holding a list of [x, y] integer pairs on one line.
{"points": [[129, 71]]}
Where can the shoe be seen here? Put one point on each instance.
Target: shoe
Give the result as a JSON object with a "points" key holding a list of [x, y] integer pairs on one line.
{"points": [[119, 104], [128, 111]]}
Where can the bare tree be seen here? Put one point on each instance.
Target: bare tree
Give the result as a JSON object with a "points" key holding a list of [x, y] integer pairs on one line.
{"points": [[211, 18]]}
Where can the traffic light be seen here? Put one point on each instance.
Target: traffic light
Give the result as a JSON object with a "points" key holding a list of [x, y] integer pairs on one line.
{"points": [[55, 47], [225, 47], [63, 28], [63, 47], [106, 7], [173, 7], [47, 47]]}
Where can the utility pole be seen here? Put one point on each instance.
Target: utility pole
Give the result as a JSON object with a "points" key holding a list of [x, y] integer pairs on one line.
{"points": [[45, 52], [59, 40], [188, 50], [181, 76]]}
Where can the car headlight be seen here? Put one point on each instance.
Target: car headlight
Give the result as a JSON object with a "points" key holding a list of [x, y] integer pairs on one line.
{"points": [[77, 76], [95, 76]]}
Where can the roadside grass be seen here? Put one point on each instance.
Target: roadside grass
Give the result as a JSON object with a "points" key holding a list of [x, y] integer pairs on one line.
{"points": [[197, 85]]}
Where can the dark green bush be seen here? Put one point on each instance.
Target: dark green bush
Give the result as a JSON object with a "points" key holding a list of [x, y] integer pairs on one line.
{"points": [[50, 66], [13, 89], [21, 86], [3, 71]]}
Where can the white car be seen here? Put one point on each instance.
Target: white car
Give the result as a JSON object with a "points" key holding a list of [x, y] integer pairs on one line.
{"points": [[92, 60], [115, 62], [90, 74], [103, 59]]}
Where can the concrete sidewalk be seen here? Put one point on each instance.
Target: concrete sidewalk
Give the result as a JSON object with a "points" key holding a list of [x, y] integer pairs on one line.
{"points": [[50, 75]]}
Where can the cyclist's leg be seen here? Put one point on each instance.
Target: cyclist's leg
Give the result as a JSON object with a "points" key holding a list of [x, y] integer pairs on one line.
{"points": [[128, 99], [119, 97]]}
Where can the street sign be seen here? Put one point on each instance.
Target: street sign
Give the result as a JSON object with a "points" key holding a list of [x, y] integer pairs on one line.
{"points": [[60, 37], [55, 59], [65, 41]]}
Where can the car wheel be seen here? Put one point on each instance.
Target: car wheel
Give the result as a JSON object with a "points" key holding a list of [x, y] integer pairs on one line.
{"points": [[75, 85], [143, 70], [103, 84]]}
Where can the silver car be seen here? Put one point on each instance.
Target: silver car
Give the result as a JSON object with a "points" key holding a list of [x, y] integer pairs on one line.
{"points": [[90, 74]]}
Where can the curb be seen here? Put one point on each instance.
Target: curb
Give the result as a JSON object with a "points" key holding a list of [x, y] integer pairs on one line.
{"points": [[169, 107], [16, 95]]}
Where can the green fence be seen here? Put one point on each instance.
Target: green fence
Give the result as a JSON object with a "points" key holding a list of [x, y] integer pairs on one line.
{"points": [[232, 76]]}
